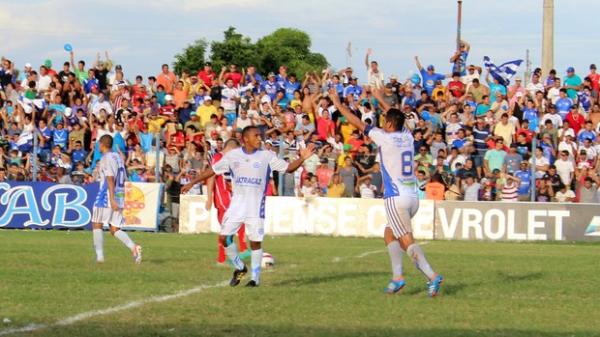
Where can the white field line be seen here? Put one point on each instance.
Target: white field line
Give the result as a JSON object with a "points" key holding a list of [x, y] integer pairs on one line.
{"points": [[136, 304], [130, 305]]}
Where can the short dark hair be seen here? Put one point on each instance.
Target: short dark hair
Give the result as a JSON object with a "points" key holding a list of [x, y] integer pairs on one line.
{"points": [[396, 117], [107, 140], [248, 129]]}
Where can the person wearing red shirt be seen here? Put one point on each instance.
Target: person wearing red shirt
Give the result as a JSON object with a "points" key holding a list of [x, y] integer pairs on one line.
{"points": [[219, 195], [575, 119], [207, 75], [325, 126], [595, 79], [456, 87], [233, 74], [524, 130]]}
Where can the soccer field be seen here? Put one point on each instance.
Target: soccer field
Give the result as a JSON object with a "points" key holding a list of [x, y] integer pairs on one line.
{"points": [[50, 286]]}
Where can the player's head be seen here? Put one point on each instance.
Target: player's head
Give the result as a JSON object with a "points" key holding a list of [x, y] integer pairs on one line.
{"points": [[230, 144], [251, 137], [394, 120], [106, 143]]}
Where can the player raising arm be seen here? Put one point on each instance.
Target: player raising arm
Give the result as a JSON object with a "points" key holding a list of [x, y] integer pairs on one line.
{"points": [[396, 152], [250, 169]]}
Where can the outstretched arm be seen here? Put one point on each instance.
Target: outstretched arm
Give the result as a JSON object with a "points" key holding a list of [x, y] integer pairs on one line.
{"points": [[304, 154], [378, 94], [350, 117], [369, 52], [200, 178]]}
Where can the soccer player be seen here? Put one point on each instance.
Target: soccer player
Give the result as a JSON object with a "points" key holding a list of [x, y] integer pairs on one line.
{"points": [[250, 169], [396, 153], [219, 193], [109, 203]]}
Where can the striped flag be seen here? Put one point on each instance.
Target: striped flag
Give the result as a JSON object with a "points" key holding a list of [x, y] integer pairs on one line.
{"points": [[504, 72]]}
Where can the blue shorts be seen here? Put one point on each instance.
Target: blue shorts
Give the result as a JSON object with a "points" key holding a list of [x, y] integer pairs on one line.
{"points": [[231, 116]]}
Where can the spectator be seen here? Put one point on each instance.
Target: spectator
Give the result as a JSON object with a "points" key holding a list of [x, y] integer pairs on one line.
{"points": [[336, 188], [435, 188], [471, 188]]}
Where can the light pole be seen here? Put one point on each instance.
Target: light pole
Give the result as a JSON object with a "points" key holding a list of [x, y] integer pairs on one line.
{"points": [[548, 37]]}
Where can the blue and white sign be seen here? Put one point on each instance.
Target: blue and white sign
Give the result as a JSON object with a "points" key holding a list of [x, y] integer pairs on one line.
{"points": [[46, 205]]}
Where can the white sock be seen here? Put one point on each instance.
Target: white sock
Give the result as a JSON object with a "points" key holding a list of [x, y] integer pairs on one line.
{"points": [[123, 237], [98, 243], [415, 252], [395, 252], [256, 264], [232, 253]]}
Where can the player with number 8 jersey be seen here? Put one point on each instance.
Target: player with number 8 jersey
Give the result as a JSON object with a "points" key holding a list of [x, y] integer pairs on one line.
{"points": [[396, 154]]}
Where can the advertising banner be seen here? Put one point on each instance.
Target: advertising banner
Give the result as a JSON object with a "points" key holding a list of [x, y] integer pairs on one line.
{"points": [[46, 205], [520, 221], [49, 205], [314, 216]]}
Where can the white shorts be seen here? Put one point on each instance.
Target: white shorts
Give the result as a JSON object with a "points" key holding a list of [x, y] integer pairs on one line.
{"points": [[255, 227], [399, 212], [107, 216]]}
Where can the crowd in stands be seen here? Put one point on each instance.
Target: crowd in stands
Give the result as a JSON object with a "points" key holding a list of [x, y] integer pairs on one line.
{"points": [[473, 136]]}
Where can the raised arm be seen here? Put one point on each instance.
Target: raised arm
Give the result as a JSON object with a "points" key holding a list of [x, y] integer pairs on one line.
{"points": [[378, 94], [304, 154], [369, 52], [350, 117], [419, 66]]}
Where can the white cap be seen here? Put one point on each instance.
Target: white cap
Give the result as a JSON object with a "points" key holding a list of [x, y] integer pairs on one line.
{"points": [[68, 112], [168, 98], [207, 98], [27, 65]]}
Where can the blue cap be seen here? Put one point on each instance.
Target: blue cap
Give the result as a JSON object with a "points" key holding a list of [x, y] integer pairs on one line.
{"points": [[430, 67], [570, 70]]}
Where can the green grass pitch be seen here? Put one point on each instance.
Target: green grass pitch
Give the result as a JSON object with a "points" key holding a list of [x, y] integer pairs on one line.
{"points": [[321, 286]]}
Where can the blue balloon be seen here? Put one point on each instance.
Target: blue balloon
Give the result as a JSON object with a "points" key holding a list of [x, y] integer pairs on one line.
{"points": [[415, 79], [68, 47], [425, 115]]}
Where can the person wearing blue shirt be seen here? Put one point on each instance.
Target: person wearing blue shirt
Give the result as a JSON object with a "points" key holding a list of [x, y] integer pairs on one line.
{"points": [[429, 76], [353, 89], [483, 107], [587, 133], [91, 82], [254, 78], [290, 86], [524, 174], [572, 83], [78, 154], [563, 104], [530, 113], [269, 86], [459, 59], [495, 86], [60, 136]]}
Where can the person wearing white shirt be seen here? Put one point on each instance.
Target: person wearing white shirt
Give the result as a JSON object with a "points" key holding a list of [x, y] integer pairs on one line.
{"points": [[375, 77], [534, 86], [565, 168], [541, 163], [365, 188], [554, 92], [565, 194]]}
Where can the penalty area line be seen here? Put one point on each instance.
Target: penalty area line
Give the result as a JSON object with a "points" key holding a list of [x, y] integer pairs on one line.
{"points": [[130, 305]]}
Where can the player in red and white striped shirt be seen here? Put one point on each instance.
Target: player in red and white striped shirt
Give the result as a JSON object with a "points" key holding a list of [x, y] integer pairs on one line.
{"points": [[219, 193]]}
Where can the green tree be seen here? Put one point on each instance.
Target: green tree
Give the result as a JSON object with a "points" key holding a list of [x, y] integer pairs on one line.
{"points": [[289, 47], [191, 58], [234, 49]]}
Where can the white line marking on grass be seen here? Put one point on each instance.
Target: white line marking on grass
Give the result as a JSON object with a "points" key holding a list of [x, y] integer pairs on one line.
{"points": [[94, 313], [365, 254]]}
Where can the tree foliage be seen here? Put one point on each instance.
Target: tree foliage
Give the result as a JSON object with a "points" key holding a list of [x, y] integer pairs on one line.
{"points": [[191, 58], [285, 46]]}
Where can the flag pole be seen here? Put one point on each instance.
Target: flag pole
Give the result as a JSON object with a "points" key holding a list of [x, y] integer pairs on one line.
{"points": [[458, 33]]}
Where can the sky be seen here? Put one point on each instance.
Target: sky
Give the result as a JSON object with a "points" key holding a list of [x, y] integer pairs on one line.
{"points": [[142, 35]]}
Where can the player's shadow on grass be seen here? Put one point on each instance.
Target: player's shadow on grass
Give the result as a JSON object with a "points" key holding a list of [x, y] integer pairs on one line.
{"points": [[505, 277], [298, 282]]}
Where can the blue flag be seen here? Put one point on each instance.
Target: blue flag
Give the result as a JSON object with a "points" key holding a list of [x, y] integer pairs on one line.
{"points": [[504, 72]]}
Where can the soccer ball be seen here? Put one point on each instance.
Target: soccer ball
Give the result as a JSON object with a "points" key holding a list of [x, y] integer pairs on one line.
{"points": [[268, 261]]}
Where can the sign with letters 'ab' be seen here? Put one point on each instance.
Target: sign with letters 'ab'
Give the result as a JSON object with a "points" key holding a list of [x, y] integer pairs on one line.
{"points": [[46, 205]]}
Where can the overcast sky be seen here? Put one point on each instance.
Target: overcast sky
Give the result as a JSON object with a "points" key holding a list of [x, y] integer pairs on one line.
{"points": [[141, 35]]}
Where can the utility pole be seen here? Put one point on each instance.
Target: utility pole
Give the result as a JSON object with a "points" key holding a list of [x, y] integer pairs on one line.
{"points": [[548, 37], [457, 64]]}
